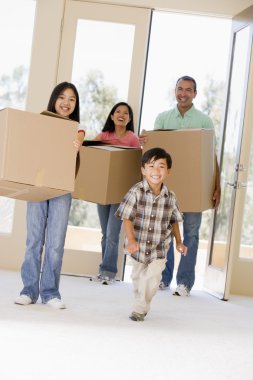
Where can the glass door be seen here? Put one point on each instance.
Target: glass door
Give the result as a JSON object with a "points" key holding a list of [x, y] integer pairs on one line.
{"points": [[103, 52], [230, 265]]}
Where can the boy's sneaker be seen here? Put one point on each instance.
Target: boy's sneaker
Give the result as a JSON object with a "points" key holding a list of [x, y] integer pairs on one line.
{"points": [[137, 317], [163, 286], [56, 303], [181, 290], [23, 299], [107, 281]]}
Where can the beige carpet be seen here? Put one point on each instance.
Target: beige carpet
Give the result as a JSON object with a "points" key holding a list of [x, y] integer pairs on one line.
{"points": [[194, 338]]}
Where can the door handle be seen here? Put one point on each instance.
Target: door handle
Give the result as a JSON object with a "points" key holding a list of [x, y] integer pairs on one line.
{"points": [[237, 185], [240, 168], [232, 184]]}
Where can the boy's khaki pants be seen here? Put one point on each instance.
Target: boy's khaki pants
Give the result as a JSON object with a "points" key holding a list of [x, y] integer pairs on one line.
{"points": [[146, 279]]}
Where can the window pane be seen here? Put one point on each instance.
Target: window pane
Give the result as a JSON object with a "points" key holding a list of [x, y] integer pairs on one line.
{"points": [[101, 72], [101, 69], [16, 30], [186, 45], [6, 211]]}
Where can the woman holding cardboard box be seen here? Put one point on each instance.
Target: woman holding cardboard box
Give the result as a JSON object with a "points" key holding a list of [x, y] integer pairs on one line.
{"points": [[47, 222], [118, 130]]}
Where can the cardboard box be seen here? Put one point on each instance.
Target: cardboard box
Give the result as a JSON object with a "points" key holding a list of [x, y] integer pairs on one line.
{"points": [[37, 157], [193, 165], [106, 173]]}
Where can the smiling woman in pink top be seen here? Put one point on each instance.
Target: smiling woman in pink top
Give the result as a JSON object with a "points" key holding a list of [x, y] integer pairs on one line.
{"points": [[119, 127], [118, 130]]}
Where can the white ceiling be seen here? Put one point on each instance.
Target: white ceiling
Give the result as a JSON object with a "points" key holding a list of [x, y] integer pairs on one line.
{"points": [[220, 8]]}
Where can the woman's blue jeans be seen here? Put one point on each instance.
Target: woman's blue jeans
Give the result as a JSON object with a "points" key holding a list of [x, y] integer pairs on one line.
{"points": [[47, 224], [110, 226], [186, 268]]}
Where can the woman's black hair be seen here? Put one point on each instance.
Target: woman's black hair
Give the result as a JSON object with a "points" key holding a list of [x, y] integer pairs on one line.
{"points": [[57, 91], [156, 154], [109, 124]]}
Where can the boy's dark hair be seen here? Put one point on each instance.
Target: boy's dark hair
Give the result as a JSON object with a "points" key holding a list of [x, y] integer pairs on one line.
{"points": [[156, 154], [187, 77], [109, 124], [57, 92]]}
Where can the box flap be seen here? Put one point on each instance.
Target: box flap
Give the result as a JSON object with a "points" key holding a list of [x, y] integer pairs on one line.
{"points": [[53, 114], [179, 130], [115, 147], [92, 143]]}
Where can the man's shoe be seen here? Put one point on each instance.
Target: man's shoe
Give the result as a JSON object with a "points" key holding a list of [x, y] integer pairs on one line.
{"points": [[23, 299], [56, 303], [108, 281], [97, 278], [137, 317], [181, 290], [163, 286]]}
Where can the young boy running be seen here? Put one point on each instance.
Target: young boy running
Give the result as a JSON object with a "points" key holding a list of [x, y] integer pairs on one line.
{"points": [[150, 216]]}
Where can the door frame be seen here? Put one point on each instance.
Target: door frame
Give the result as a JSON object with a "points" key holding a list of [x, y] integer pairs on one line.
{"points": [[218, 281]]}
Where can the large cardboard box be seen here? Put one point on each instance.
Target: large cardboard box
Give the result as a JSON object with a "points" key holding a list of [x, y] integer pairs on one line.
{"points": [[193, 165], [106, 173], [37, 157]]}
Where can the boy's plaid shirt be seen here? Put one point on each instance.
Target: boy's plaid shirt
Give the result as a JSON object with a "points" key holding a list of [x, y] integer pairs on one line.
{"points": [[152, 217]]}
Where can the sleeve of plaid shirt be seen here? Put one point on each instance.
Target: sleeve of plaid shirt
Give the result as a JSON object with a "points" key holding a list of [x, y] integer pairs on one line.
{"points": [[127, 208], [176, 215]]}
